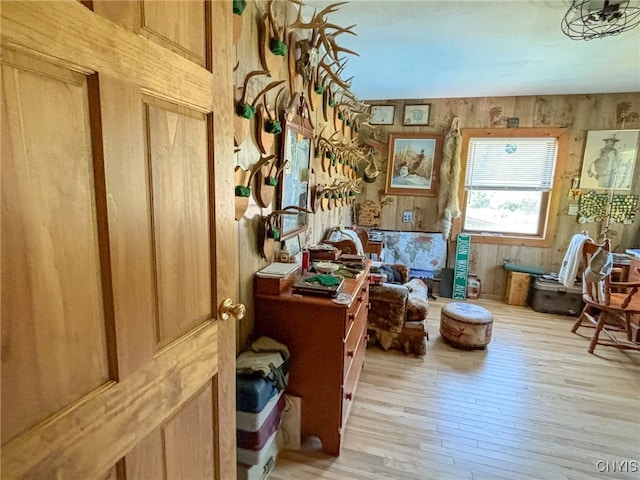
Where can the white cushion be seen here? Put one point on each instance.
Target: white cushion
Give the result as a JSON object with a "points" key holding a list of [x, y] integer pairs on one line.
{"points": [[351, 235]]}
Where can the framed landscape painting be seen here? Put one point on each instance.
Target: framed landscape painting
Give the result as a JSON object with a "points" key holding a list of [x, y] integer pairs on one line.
{"points": [[413, 165]]}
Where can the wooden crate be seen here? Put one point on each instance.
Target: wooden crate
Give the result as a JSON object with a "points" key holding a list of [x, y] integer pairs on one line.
{"points": [[517, 288]]}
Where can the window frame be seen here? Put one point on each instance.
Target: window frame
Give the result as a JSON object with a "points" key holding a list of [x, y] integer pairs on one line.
{"points": [[550, 200]]}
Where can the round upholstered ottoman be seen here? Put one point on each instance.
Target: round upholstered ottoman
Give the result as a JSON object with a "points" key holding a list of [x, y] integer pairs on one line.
{"points": [[465, 325]]}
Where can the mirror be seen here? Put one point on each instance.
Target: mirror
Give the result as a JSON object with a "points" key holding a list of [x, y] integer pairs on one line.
{"points": [[296, 154]]}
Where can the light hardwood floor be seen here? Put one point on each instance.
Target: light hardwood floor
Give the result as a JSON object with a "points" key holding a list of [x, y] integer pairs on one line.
{"points": [[534, 405]]}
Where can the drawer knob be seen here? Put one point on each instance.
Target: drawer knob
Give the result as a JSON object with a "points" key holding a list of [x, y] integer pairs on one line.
{"points": [[350, 353], [352, 317], [348, 396]]}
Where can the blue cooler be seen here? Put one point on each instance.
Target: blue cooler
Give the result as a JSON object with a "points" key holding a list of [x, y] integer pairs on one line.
{"points": [[260, 376]]}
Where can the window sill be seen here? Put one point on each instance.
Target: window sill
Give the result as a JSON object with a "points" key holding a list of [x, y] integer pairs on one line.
{"points": [[497, 239]]}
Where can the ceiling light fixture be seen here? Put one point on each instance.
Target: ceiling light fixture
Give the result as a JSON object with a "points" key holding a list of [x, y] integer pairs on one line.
{"points": [[588, 19]]}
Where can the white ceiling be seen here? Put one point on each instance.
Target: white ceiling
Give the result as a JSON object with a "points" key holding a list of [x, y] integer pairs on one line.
{"points": [[477, 48]]}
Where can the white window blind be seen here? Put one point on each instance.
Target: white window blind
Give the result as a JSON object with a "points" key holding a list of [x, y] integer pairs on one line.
{"points": [[511, 163]]}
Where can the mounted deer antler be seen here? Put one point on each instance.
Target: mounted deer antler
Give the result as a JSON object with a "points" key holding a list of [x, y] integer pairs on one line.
{"points": [[277, 31], [266, 173], [245, 111], [328, 69], [243, 90], [266, 125], [319, 25], [271, 232], [242, 179], [318, 19], [328, 40], [266, 89], [272, 38]]}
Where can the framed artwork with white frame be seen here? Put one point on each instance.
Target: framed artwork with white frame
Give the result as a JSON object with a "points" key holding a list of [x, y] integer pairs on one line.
{"points": [[382, 114], [416, 114], [609, 159]]}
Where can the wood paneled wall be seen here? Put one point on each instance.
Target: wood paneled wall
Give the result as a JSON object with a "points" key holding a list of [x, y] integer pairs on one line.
{"points": [[577, 113], [251, 260]]}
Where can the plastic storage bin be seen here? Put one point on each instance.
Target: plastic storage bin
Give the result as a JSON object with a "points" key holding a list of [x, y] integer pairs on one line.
{"points": [[251, 422], [255, 439], [247, 456], [548, 295], [262, 469]]}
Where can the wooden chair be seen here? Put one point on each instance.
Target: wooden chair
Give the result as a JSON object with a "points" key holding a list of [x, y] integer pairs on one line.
{"points": [[610, 307]]}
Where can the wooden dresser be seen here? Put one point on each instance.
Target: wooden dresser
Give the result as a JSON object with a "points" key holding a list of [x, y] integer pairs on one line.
{"points": [[327, 342]]}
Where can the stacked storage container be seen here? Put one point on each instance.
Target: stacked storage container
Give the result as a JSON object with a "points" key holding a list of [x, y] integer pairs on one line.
{"points": [[261, 374], [548, 295]]}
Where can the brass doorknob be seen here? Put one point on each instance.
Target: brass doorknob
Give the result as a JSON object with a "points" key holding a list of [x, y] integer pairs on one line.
{"points": [[228, 308]]}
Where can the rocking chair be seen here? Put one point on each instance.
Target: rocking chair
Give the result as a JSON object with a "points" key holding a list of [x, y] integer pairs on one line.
{"points": [[610, 307]]}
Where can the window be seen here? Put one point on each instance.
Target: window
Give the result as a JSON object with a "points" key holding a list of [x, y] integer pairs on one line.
{"points": [[508, 183]]}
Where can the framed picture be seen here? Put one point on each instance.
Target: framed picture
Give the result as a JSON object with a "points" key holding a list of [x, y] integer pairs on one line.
{"points": [[414, 163], [416, 114], [382, 114], [292, 244], [609, 160]]}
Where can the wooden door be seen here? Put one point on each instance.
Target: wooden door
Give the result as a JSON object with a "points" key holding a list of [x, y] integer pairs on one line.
{"points": [[117, 170]]}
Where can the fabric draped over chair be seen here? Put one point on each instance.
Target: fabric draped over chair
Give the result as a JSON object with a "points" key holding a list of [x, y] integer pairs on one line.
{"points": [[611, 308]]}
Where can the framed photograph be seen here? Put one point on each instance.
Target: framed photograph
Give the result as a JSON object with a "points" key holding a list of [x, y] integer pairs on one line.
{"points": [[414, 163], [416, 114], [292, 244], [382, 114], [609, 160]]}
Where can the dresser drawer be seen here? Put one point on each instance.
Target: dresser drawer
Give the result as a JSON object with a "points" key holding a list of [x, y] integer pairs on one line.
{"points": [[351, 381], [356, 332], [357, 308]]}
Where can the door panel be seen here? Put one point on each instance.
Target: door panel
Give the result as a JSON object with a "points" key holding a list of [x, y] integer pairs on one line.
{"points": [[92, 435], [189, 455], [145, 460], [121, 114], [50, 250], [113, 362], [179, 27], [179, 181]]}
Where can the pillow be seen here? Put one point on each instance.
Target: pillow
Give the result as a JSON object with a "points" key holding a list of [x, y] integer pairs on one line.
{"points": [[393, 276], [334, 236], [352, 235]]}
